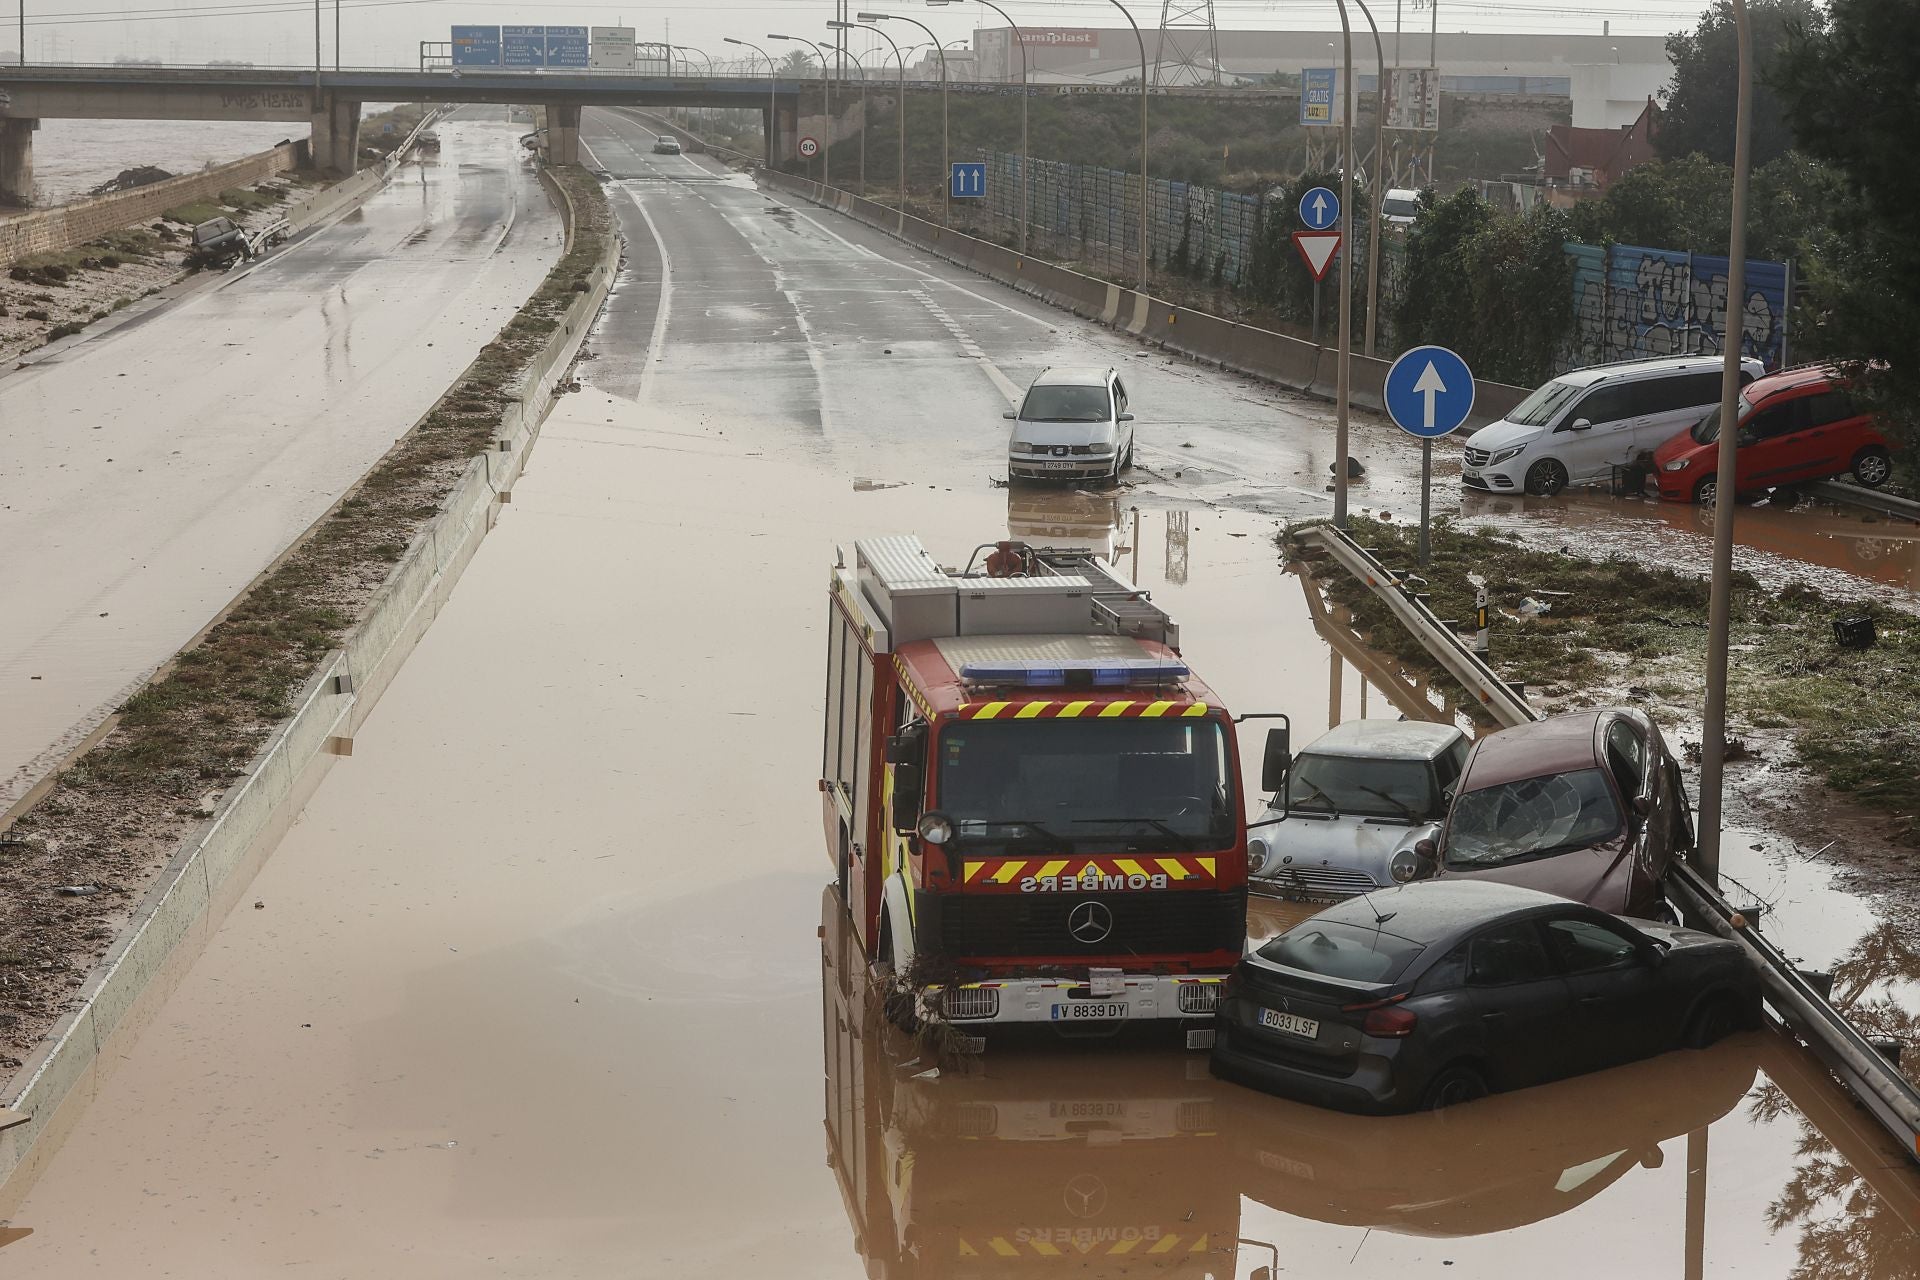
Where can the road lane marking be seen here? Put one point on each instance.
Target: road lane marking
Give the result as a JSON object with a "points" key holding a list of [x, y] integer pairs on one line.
{"points": [[656, 345], [968, 345]]}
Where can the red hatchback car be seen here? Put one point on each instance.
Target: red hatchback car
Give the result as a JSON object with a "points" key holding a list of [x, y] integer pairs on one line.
{"points": [[1796, 426]]}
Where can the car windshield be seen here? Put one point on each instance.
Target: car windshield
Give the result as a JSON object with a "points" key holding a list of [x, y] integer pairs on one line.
{"points": [[1532, 818], [1332, 949], [1088, 786], [1065, 404], [1366, 788], [1544, 404], [1707, 430], [1400, 206]]}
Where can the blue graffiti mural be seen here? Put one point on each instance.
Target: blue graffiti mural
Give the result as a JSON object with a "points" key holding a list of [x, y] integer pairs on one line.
{"points": [[1632, 302]]}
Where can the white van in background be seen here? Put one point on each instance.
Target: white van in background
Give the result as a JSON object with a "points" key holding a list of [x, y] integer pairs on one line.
{"points": [[1400, 207], [1577, 428]]}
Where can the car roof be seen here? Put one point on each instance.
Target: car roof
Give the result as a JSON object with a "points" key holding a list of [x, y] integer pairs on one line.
{"points": [[1072, 376], [1792, 379], [1634, 370], [1386, 740], [1533, 750], [1429, 911]]}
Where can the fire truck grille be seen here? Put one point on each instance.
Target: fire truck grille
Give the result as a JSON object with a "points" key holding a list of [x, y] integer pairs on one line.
{"points": [[1102, 924], [1199, 997], [970, 1002]]}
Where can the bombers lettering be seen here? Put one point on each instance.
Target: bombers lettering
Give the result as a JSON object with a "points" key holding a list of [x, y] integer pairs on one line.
{"points": [[1082, 1236], [1091, 882]]}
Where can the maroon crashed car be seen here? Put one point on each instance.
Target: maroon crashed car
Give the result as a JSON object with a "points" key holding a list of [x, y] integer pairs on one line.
{"points": [[1586, 805]]}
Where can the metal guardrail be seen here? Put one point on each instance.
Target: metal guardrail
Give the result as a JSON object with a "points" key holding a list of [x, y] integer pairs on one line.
{"points": [[1853, 495], [1879, 1086], [1399, 592]]}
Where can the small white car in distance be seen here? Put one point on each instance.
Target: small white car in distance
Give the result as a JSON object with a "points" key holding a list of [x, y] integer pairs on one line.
{"points": [[666, 145], [1357, 801], [1072, 424], [1577, 428]]}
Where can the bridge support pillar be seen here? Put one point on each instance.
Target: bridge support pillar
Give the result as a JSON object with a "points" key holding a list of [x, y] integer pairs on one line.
{"points": [[334, 140], [16, 161], [563, 133], [783, 140]]}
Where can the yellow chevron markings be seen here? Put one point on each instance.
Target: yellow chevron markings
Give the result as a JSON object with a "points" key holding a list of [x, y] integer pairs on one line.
{"points": [[1206, 864], [1005, 873], [974, 869], [1130, 867], [1073, 709], [1114, 709], [1172, 867], [1154, 709], [1051, 868], [1031, 710], [1197, 709], [988, 710]]}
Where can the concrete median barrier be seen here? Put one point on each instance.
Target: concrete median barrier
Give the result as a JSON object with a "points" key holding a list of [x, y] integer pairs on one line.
{"points": [[188, 900]]}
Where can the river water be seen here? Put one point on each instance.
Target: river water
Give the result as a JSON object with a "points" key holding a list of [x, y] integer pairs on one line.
{"points": [[72, 156]]}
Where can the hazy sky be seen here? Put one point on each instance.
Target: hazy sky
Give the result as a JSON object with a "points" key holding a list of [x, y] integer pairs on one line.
{"points": [[388, 32]]}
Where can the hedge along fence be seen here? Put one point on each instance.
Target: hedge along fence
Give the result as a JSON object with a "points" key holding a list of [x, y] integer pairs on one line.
{"points": [[55, 230]]}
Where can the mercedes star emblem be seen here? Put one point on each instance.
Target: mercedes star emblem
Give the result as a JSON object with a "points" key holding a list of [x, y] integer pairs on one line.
{"points": [[1090, 922], [1085, 1196]]}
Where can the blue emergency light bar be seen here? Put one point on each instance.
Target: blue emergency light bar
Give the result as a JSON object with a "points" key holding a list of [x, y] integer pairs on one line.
{"points": [[1098, 673]]}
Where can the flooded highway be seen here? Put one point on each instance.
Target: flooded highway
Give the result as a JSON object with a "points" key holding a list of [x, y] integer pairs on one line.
{"points": [[544, 982], [149, 472]]}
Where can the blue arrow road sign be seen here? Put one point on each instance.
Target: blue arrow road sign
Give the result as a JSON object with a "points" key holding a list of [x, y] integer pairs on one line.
{"points": [[1319, 209], [1429, 392], [969, 181]]}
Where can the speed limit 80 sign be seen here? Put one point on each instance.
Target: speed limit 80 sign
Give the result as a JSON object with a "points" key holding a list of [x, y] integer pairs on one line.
{"points": [[809, 148]]}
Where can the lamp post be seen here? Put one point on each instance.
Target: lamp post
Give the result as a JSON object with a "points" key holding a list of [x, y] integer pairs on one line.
{"points": [[826, 112], [1374, 193], [1344, 382], [1141, 41], [1017, 38], [836, 50], [1713, 740], [773, 80], [899, 109], [946, 160]]}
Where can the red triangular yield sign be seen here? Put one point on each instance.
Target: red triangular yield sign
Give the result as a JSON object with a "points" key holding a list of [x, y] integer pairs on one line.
{"points": [[1318, 248]]}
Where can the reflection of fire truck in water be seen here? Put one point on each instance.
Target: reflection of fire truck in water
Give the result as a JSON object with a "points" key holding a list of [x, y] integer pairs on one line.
{"points": [[1122, 1164], [1000, 1168], [1032, 805]]}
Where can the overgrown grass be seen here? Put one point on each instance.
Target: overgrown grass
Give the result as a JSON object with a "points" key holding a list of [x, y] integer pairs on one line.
{"points": [[1618, 625]]}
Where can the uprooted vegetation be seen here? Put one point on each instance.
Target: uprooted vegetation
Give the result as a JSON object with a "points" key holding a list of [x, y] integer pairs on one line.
{"points": [[1617, 630], [111, 821]]}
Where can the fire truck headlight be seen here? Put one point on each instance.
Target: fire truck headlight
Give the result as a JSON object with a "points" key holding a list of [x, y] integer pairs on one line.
{"points": [[935, 828]]}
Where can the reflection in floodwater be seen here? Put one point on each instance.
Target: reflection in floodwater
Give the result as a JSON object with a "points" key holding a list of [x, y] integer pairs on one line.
{"points": [[1850, 543], [1851, 1224], [1134, 1161], [1048, 517]]}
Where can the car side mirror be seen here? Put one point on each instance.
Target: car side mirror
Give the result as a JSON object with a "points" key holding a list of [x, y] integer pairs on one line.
{"points": [[908, 790], [1009, 415], [1277, 762], [1744, 436], [1581, 424], [1126, 417], [1642, 806]]}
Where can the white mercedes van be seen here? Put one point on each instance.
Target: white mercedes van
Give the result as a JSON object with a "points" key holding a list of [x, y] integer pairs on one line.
{"points": [[1577, 428]]}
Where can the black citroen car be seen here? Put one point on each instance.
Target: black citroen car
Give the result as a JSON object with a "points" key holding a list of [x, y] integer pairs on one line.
{"points": [[1439, 992]]}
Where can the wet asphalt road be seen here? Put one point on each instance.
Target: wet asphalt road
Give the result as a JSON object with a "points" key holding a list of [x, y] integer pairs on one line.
{"points": [[150, 471], [542, 985]]}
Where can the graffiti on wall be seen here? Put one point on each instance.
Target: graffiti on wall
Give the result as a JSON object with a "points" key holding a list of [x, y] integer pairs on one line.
{"points": [[1631, 303]]}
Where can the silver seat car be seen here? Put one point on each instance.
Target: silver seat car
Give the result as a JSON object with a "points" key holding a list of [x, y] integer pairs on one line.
{"points": [[1073, 424], [1357, 801]]}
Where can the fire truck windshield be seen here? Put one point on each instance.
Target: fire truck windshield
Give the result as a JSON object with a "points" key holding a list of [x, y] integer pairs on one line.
{"points": [[1087, 786]]}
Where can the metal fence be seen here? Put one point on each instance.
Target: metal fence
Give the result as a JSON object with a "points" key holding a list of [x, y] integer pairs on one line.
{"points": [[1092, 215]]}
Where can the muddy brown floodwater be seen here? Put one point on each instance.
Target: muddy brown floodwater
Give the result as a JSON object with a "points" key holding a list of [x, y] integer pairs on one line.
{"points": [[545, 981]]}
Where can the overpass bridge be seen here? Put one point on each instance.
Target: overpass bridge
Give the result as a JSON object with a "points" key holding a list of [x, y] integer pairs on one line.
{"points": [[330, 102]]}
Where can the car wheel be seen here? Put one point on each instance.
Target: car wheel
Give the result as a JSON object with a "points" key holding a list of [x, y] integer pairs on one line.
{"points": [[1546, 478], [1706, 491], [1711, 1023], [1872, 467], [1453, 1086]]}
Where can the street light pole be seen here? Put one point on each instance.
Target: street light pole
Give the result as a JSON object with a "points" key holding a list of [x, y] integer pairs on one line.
{"points": [[946, 159], [773, 80], [1374, 193], [1139, 40], [899, 110], [1713, 741], [1019, 40], [826, 108], [1344, 382]]}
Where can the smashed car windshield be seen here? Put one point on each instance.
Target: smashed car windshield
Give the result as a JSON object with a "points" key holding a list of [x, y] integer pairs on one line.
{"points": [[1532, 817]]}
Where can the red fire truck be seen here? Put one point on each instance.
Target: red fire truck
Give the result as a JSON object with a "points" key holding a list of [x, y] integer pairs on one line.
{"points": [[1032, 804]]}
